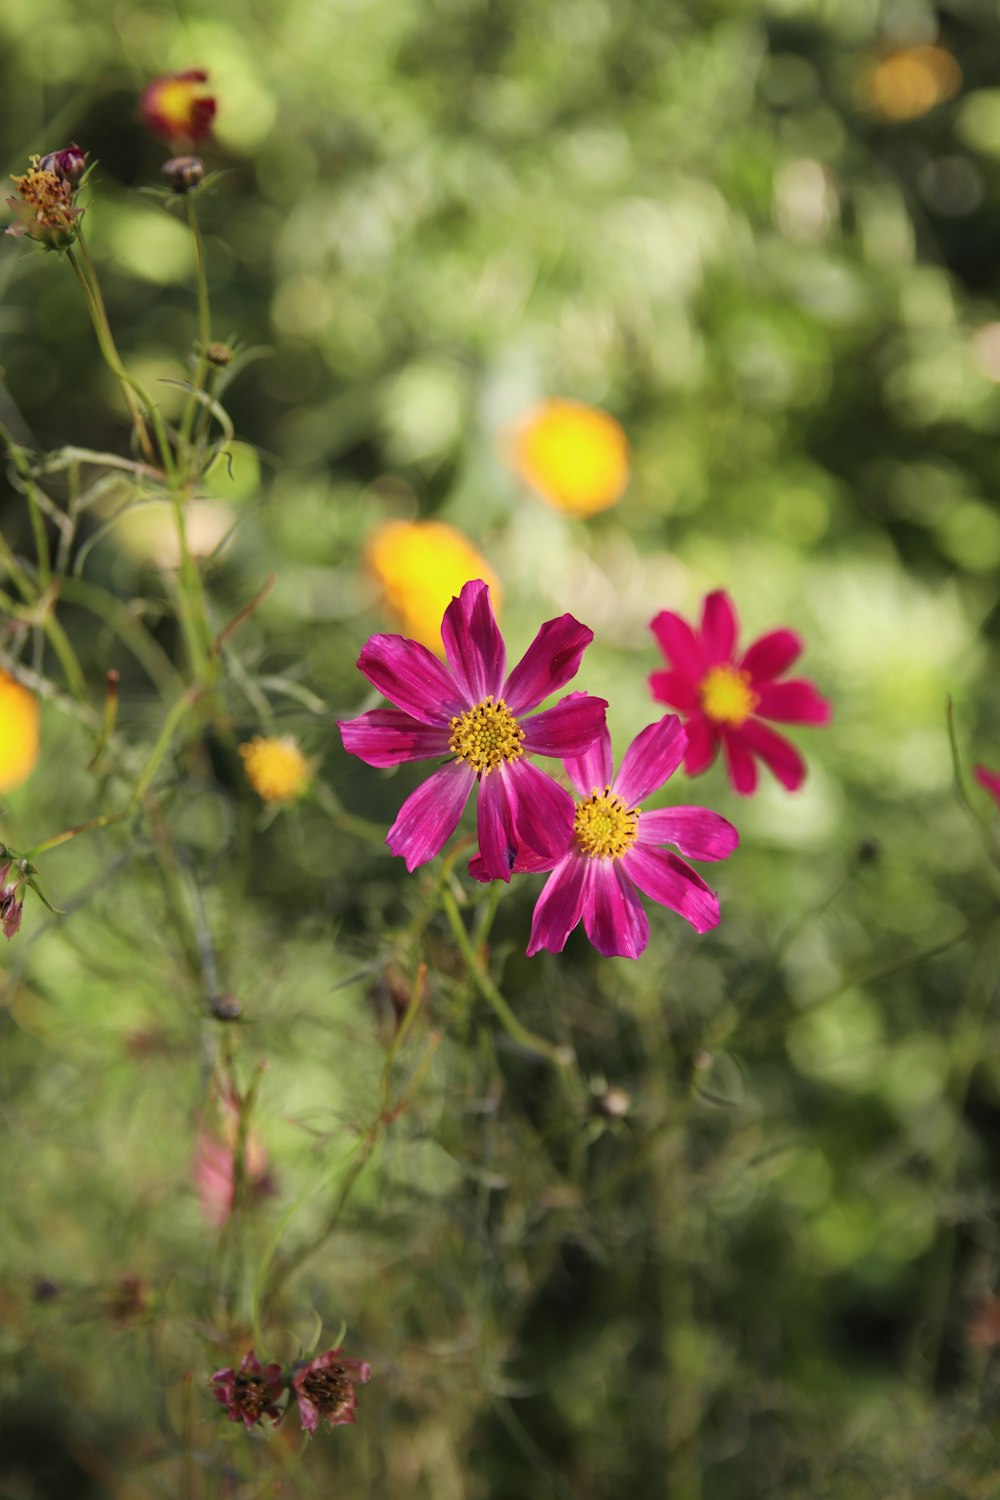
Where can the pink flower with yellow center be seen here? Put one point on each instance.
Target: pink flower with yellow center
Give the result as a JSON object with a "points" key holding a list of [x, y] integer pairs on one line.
{"points": [[725, 695], [471, 709], [178, 108], [612, 849]]}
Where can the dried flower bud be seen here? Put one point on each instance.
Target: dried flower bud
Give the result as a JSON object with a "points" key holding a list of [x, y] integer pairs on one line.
{"points": [[249, 1394], [226, 1008], [70, 163], [11, 907], [183, 172], [218, 354], [324, 1388]]}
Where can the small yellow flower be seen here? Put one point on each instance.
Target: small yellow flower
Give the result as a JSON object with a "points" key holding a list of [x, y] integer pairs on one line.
{"points": [[421, 566], [907, 84], [18, 733], [574, 456], [276, 769]]}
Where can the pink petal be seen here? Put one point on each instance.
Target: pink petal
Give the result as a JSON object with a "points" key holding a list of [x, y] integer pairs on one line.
{"points": [[428, 817], [560, 905], [552, 660], [667, 879], [679, 644], [719, 627], [568, 729], [651, 759], [592, 771], [792, 702], [543, 810], [739, 762], [771, 654], [695, 831], [674, 689], [613, 916], [473, 643], [702, 745], [780, 757], [386, 737], [989, 781], [497, 842], [410, 677], [526, 863]]}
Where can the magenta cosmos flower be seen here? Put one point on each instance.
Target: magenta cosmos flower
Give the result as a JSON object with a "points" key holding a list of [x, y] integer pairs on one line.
{"points": [[725, 696], [249, 1393], [469, 710], [324, 1388], [612, 850]]}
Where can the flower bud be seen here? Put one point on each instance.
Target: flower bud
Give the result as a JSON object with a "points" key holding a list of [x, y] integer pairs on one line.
{"points": [[11, 906], [218, 354], [183, 172], [69, 163]]}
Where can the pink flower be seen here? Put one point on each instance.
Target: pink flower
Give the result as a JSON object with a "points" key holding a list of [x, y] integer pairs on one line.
{"points": [[989, 781], [324, 1388], [470, 711], [611, 849], [178, 108], [725, 696], [249, 1393]]}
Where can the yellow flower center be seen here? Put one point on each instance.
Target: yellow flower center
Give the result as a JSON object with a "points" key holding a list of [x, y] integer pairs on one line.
{"points": [[276, 769], [486, 735], [175, 100], [603, 826], [726, 696]]}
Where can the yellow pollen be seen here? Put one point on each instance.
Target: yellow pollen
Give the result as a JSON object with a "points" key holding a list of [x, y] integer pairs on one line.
{"points": [[486, 735], [603, 826], [48, 195], [276, 769], [726, 696]]}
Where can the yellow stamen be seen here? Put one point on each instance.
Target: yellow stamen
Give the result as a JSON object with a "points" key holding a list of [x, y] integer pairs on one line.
{"points": [[726, 696], [486, 735], [276, 769], [603, 826]]}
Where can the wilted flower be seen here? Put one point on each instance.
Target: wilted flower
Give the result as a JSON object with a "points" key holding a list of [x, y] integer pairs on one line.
{"points": [[18, 733], [324, 1389], [421, 566], [249, 1394], [471, 711], [44, 209], [183, 172], [11, 907], [69, 163], [574, 456], [612, 850], [725, 696], [276, 768], [177, 107]]}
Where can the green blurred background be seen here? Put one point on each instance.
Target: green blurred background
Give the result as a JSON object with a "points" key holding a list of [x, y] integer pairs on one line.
{"points": [[764, 238]]}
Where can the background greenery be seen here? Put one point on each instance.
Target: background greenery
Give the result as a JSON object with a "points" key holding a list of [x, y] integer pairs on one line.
{"points": [[759, 1282]]}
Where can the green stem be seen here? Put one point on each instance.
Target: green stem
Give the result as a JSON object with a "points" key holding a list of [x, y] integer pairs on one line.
{"points": [[109, 350], [204, 322], [559, 1057]]}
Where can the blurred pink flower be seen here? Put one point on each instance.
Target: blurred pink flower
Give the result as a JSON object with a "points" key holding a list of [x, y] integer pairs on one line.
{"points": [[725, 696], [178, 108], [612, 850], [214, 1162], [469, 710], [249, 1393], [324, 1388], [989, 781]]}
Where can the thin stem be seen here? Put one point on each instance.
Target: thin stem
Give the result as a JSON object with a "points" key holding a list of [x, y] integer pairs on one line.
{"points": [[204, 322], [105, 338], [560, 1057]]}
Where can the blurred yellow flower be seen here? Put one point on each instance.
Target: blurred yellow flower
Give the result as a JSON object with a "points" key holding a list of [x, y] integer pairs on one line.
{"points": [[18, 733], [276, 769], [574, 456], [908, 84], [421, 566]]}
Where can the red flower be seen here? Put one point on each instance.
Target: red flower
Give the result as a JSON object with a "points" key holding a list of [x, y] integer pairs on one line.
{"points": [[177, 108], [249, 1393], [989, 781], [724, 696], [324, 1388]]}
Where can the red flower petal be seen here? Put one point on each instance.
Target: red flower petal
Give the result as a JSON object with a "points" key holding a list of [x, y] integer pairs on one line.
{"points": [[702, 744], [552, 660], [497, 843], [674, 689], [679, 644], [593, 770], [695, 831], [792, 702], [739, 762], [560, 906], [651, 759], [670, 881], [428, 817], [613, 915], [411, 678], [473, 643], [388, 737], [771, 654], [567, 729], [780, 757], [989, 781]]}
